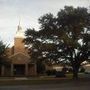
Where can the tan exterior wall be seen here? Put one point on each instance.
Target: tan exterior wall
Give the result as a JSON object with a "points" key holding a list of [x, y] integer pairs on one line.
{"points": [[19, 45]]}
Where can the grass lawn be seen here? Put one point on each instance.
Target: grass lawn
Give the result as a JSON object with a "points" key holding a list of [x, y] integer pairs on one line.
{"points": [[32, 81], [36, 80]]}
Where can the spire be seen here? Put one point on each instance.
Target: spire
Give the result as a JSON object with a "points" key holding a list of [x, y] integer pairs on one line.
{"points": [[19, 27], [19, 32], [19, 22]]}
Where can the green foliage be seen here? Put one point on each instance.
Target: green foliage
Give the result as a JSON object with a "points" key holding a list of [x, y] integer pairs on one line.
{"points": [[58, 40], [3, 53], [40, 67]]}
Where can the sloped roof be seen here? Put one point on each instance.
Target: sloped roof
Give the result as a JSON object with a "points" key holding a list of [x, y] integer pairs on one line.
{"points": [[19, 58]]}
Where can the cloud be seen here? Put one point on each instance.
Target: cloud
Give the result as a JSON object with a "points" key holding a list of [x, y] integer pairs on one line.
{"points": [[29, 11]]}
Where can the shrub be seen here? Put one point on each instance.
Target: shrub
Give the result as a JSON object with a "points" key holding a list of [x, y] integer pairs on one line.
{"points": [[51, 72], [60, 74]]}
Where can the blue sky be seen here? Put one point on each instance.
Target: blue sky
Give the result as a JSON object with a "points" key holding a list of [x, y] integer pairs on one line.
{"points": [[28, 12]]}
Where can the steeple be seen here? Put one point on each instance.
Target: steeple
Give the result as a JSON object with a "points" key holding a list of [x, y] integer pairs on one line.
{"points": [[19, 32], [19, 27], [18, 40]]}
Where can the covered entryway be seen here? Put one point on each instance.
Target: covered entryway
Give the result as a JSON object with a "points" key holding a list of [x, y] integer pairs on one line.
{"points": [[21, 66], [19, 70]]}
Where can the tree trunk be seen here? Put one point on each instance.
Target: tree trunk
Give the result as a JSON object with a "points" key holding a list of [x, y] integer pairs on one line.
{"points": [[75, 72], [75, 75]]}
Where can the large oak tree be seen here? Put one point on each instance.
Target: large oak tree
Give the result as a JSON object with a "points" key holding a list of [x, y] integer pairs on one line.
{"points": [[61, 38]]}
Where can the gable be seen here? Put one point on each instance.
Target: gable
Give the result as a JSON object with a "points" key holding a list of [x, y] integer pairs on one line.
{"points": [[19, 58]]}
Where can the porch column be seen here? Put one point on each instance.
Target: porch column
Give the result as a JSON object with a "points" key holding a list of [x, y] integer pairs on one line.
{"points": [[2, 70], [26, 69], [35, 69], [12, 68]]}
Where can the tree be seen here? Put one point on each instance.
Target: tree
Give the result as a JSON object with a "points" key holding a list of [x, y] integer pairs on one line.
{"points": [[34, 49], [3, 53], [74, 22], [61, 38]]}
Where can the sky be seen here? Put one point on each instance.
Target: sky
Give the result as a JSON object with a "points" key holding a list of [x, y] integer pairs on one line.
{"points": [[28, 12]]}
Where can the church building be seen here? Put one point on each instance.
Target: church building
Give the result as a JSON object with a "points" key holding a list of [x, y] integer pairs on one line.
{"points": [[19, 60]]}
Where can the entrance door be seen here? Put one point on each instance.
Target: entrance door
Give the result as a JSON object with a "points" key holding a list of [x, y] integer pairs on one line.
{"points": [[19, 70]]}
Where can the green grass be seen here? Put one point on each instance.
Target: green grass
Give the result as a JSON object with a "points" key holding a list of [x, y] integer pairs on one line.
{"points": [[35, 80], [31, 81]]}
